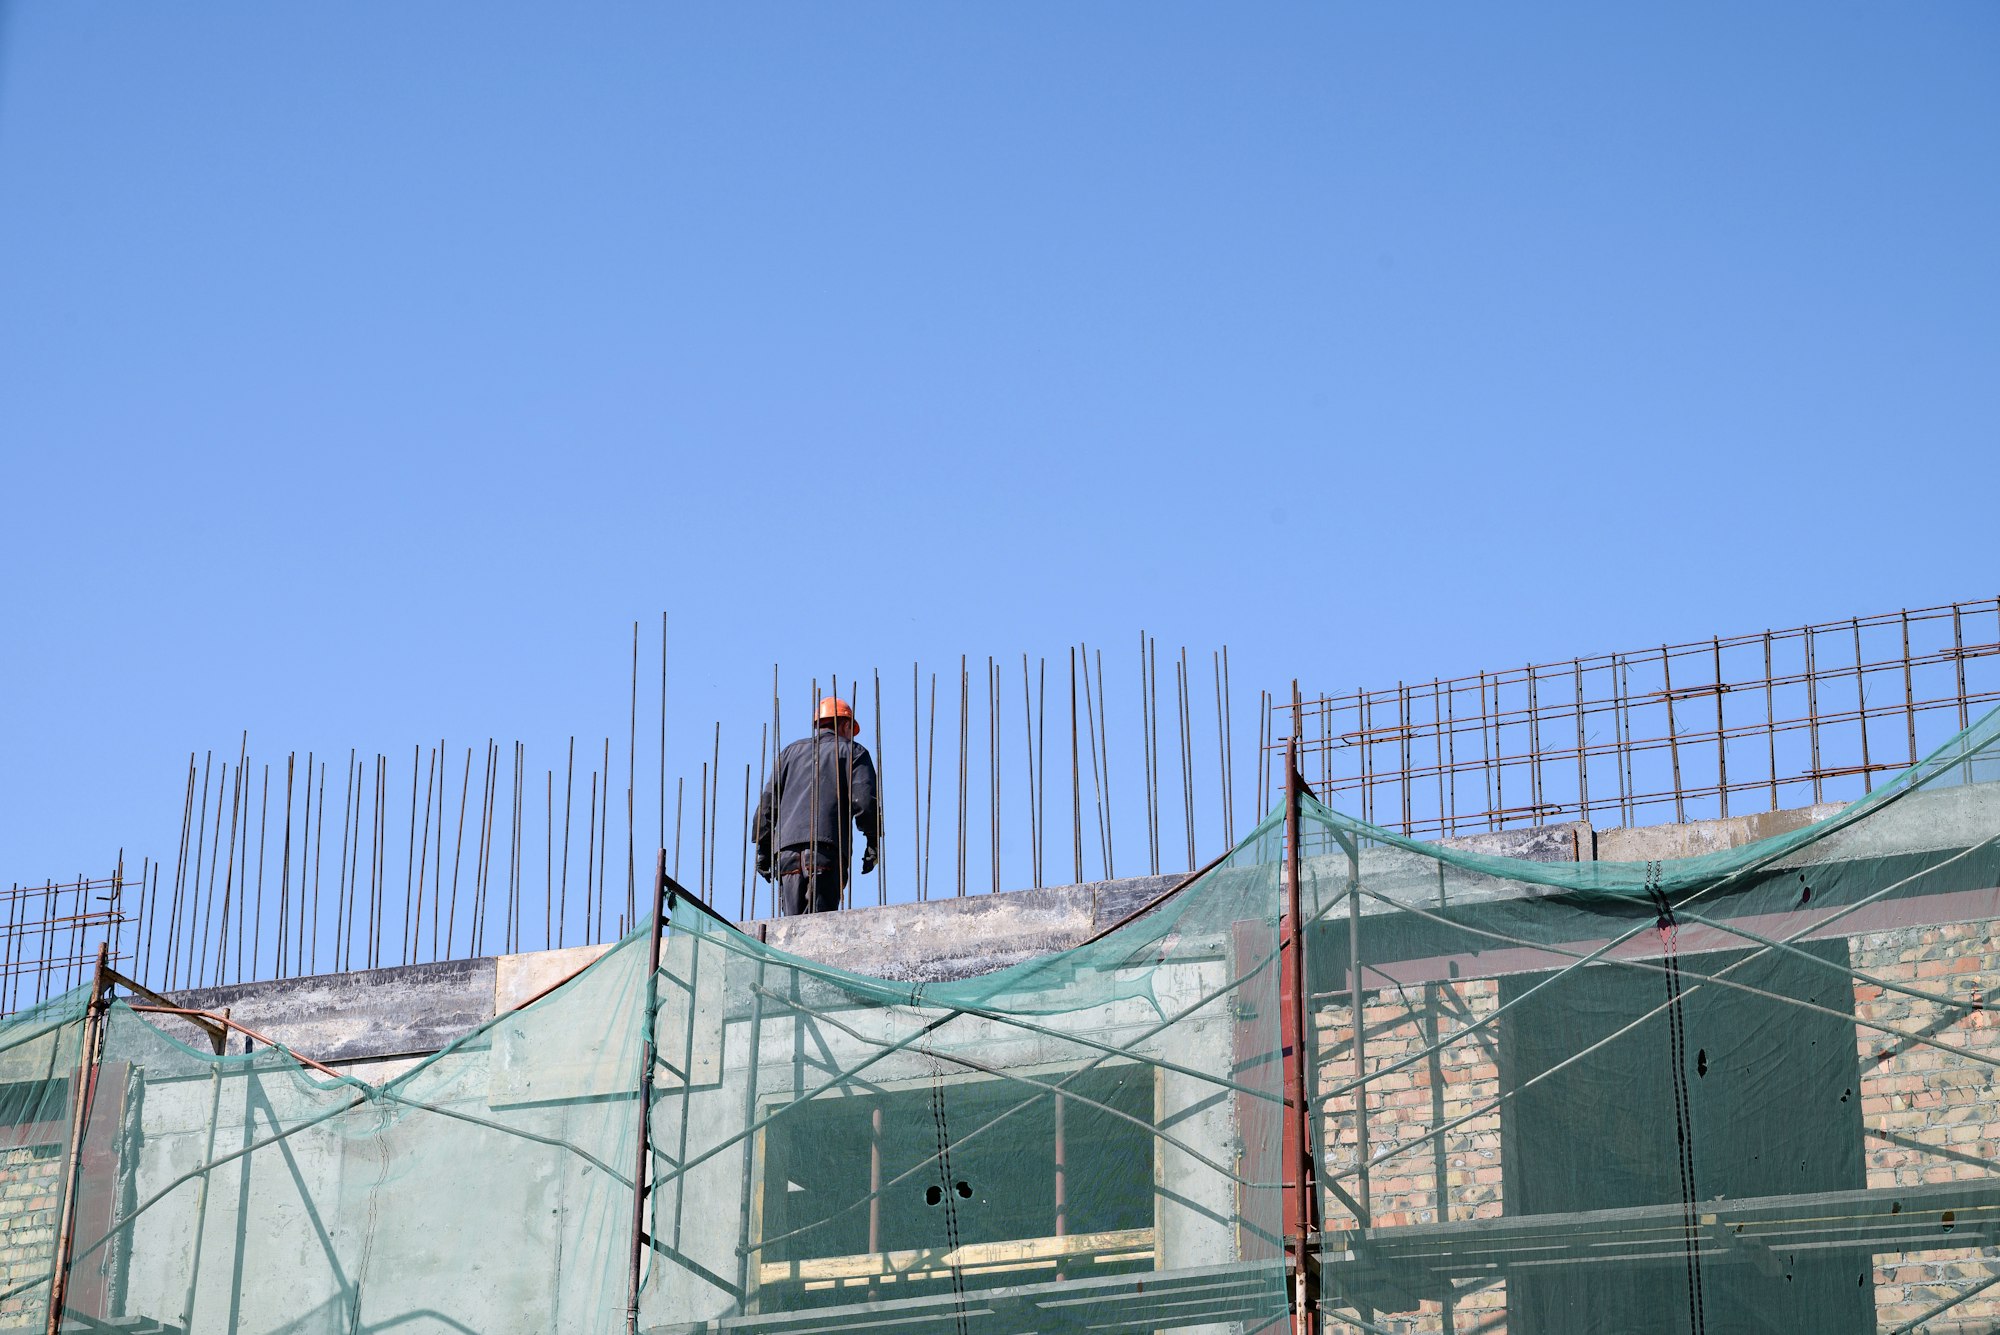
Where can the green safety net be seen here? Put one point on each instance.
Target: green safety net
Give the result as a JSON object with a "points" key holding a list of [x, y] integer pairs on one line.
{"points": [[1749, 1090], [1077, 1143], [39, 1048], [1746, 1090]]}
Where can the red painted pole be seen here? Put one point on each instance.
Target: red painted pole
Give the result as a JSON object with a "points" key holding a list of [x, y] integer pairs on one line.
{"points": [[1305, 1295]]}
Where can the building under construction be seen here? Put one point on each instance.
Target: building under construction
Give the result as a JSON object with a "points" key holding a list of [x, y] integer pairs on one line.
{"points": [[1683, 1027]]}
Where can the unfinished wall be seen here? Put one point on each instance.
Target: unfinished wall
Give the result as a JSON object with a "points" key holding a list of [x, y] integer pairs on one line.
{"points": [[1931, 1117], [29, 1193], [1424, 1072]]}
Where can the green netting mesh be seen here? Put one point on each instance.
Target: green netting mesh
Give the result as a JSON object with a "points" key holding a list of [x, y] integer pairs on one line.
{"points": [[1074, 1143], [1748, 1091], [1083, 1142], [38, 1060]]}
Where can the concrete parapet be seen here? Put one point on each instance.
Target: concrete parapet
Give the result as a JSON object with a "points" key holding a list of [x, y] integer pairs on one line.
{"points": [[369, 1013], [1653, 843]]}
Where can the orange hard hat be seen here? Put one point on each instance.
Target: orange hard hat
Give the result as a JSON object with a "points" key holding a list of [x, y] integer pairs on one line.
{"points": [[833, 707]]}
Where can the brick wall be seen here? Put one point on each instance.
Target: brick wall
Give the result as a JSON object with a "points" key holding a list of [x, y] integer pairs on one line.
{"points": [[1930, 1116], [29, 1182], [1454, 1176]]}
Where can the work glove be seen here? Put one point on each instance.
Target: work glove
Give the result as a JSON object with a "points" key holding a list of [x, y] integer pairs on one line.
{"points": [[764, 865], [869, 857]]}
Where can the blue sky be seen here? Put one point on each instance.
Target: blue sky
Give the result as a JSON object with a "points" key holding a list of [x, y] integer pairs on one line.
{"points": [[366, 371]]}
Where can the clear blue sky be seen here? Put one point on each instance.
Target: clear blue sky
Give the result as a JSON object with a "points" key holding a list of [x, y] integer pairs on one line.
{"points": [[366, 370]]}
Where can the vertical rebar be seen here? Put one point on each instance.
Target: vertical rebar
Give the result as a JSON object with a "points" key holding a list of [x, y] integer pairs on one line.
{"points": [[1861, 711], [413, 930], [1621, 672], [1403, 750], [1958, 663], [930, 787], [1090, 722], [194, 884], [318, 832], [1145, 728], [1104, 728], [1771, 719], [1228, 755], [1909, 690], [1450, 800], [409, 870], [631, 785], [285, 867], [916, 788], [1075, 779], [743, 870], [1673, 734], [1364, 721], [1582, 747], [1812, 710], [1182, 719], [881, 800], [1535, 804], [1486, 758], [604, 843], [1034, 813], [457, 856], [1721, 734], [548, 860], [964, 765], [715, 807], [236, 796], [590, 862], [1152, 724]]}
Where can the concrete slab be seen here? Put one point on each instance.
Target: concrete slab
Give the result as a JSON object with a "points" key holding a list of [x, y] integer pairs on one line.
{"points": [[1571, 841], [940, 938], [1114, 901], [1646, 843], [517, 978], [369, 1013]]}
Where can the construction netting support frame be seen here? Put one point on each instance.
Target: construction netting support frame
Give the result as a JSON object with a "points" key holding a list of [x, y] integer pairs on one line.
{"points": [[647, 1052], [1302, 1228], [82, 1086], [1758, 1079]]}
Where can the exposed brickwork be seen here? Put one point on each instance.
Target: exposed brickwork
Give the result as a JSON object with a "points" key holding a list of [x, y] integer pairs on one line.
{"points": [[1453, 1176], [28, 1186], [1930, 1114]]}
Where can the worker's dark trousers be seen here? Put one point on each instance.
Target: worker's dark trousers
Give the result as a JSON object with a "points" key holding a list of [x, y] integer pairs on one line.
{"points": [[809, 884]]}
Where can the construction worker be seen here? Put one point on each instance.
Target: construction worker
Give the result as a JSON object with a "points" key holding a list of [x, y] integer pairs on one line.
{"points": [[822, 790]]}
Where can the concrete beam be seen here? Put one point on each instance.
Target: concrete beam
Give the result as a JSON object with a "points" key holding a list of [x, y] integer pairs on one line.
{"points": [[370, 1013]]}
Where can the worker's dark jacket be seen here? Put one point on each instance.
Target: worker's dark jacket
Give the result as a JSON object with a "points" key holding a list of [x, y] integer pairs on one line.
{"points": [[823, 789]]}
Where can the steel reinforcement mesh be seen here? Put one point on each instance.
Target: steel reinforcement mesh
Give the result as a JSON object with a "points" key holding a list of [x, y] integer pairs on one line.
{"points": [[1748, 1090]]}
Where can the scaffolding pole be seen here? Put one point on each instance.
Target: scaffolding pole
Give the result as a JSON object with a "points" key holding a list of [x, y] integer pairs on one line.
{"points": [[643, 1153], [1305, 1294]]}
